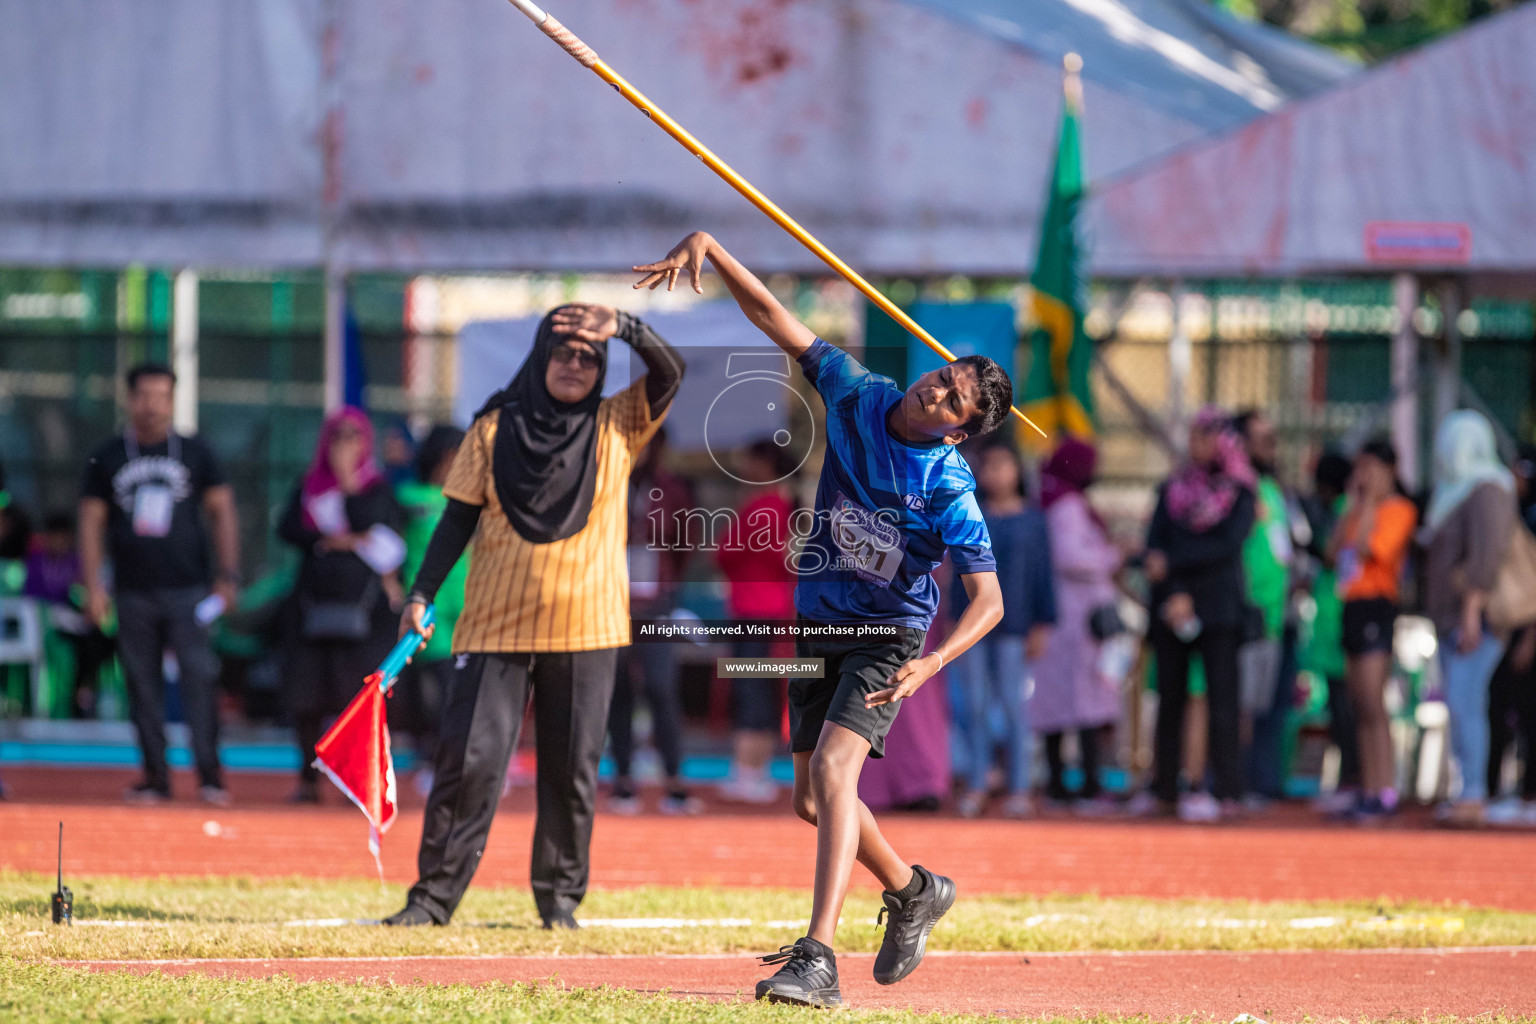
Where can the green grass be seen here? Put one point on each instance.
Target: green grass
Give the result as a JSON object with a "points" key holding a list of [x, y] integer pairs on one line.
{"points": [[31, 992], [237, 917]]}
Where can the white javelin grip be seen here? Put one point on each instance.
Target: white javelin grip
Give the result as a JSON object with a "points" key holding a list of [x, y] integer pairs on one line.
{"points": [[534, 11], [558, 32]]}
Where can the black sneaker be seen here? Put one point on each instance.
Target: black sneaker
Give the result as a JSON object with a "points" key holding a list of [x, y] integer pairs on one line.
{"points": [[146, 794], [907, 924], [561, 920], [413, 916], [1370, 810], [808, 977]]}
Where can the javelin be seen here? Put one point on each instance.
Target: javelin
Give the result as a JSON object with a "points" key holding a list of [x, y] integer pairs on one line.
{"points": [[588, 59]]}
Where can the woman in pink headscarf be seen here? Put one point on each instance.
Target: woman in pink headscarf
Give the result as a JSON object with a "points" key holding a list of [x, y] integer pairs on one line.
{"points": [[1071, 692], [344, 520], [1204, 513]]}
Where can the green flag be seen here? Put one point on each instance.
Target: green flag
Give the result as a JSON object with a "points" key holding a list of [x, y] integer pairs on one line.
{"points": [[1056, 391]]}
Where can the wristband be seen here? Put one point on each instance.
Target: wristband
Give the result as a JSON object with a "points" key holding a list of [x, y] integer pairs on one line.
{"points": [[936, 654], [417, 599]]}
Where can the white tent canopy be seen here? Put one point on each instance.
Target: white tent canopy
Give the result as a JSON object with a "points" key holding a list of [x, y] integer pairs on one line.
{"points": [[441, 134], [1426, 164]]}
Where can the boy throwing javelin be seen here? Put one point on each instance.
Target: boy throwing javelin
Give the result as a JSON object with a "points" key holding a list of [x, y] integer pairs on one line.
{"points": [[894, 495]]}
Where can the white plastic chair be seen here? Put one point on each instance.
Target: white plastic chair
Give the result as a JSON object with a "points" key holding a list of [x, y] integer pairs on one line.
{"points": [[21, 643]]}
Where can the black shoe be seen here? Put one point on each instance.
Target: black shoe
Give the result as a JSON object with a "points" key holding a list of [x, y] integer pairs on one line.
{"points": [[1370, 810], [907, 924], [808, 977], [562, 920], [411, 917], [146, 794]]}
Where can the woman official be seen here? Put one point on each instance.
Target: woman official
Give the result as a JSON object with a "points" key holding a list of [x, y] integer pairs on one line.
{"points": [[342, 615], [543, 474]]}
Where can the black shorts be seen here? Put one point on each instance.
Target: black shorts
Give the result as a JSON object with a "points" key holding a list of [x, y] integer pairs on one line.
{"points": [[852, 669], [1368, 625], [755, 703]]}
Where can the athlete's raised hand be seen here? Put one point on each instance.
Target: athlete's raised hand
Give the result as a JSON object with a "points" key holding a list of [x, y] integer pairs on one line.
{"points": [[586, 321], [689, 255], [756, 301], [904, 681]]}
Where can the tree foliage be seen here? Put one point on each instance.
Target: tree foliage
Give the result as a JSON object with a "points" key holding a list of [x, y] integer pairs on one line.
{"points": [[1368, 29]]}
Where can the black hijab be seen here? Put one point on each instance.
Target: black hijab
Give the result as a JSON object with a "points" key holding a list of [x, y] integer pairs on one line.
{"points": [[545, 460]]}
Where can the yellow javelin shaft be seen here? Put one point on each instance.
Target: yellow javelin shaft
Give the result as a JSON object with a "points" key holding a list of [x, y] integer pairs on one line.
{"points": [[587, 58]]}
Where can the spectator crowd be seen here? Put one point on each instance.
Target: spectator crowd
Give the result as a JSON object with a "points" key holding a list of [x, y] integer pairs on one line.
{"points": [[1252, 611]]}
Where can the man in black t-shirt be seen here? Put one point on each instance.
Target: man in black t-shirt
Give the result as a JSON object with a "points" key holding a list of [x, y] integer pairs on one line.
{"points": [[145, 493]]}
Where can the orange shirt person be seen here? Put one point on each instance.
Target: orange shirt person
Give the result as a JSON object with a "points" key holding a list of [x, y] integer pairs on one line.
{"points": [[1375, 536], [1368, 549]]}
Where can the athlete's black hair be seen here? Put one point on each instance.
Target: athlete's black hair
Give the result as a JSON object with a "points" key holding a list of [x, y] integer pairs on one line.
{"points": [[143, 370], [777, 456], [1242, 421], [1332, 471], [994, 394], [1380, 448]]}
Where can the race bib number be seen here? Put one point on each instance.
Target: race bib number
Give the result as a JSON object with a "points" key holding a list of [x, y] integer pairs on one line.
{"points": [[152, 508], [870, 545]]}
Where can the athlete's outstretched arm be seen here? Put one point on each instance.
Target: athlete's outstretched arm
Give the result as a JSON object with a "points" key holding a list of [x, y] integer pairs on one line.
{"points": [[750, 294], [984, 612]]}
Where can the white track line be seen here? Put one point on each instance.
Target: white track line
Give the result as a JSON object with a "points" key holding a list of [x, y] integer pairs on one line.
{"points": [[586, 922], [622, 923], [1410, 923], [944, 954]]}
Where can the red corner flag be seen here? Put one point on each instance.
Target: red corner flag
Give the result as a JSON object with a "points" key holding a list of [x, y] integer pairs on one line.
{"points": [[354, 753]]}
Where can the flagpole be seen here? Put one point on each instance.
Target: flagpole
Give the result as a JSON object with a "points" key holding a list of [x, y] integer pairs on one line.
{"points": [[1072, 81], [584, 55]]}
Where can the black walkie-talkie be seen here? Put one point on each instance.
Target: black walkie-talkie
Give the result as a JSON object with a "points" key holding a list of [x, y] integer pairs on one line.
{"points": [[63, 899]]}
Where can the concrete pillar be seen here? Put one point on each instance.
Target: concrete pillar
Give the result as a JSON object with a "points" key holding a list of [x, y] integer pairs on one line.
{"points": [[1405, 380], [184, 351], [1181, 356], [335, 335], [1448, 354]]}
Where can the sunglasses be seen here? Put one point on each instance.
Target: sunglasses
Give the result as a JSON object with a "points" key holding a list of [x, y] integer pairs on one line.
{"points": [[587, 360]]}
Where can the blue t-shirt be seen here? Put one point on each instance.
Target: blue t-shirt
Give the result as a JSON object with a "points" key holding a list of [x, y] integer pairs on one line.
{"points": [[886, 511]]}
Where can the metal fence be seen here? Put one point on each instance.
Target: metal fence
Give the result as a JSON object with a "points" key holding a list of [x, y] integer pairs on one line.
{"points": [[1319, 390], [260, 408]]}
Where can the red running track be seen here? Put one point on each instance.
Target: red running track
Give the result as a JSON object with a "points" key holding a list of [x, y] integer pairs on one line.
{"points": [[1288, 856], [1390, 984]]}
